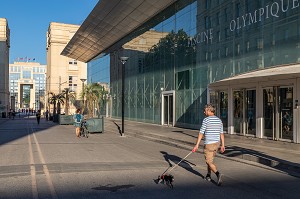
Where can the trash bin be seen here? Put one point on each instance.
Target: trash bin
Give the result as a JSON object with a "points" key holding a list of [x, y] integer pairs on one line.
{"points": [[3, 114]]}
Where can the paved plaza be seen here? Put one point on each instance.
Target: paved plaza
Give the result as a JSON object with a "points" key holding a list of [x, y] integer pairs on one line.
{"points": [[48, 161]]}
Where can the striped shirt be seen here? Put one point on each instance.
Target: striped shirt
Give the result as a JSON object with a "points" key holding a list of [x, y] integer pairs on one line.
{"points": [[211, 127]]}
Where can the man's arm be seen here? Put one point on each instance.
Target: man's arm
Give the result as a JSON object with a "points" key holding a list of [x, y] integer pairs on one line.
{"points": [[198, 142], [222, 142]]}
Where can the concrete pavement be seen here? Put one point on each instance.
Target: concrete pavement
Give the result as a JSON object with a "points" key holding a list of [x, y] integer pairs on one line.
{"points": [[48, 161], [282, 156]]}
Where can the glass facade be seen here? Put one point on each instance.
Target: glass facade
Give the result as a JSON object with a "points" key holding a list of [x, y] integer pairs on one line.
{"points": [[194, 43]]}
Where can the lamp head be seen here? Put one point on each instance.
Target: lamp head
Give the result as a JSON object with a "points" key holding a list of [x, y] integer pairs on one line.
{"points": [[83, 80], [124, 59]]}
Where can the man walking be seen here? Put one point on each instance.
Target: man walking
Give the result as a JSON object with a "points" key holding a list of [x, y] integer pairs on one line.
{"points": [[212, 129], [38, 116]]}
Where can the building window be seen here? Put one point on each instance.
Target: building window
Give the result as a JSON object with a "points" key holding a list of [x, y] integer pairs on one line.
{"points": [[73, 81], [183, 79], [207, 22], [226, 14], [248, 46], [73, 64], [226, 32], [226, 51], [26, 74], [286, 34], [218, 18], [219, 36], [141, 65], [238, 9], [238, 49], [260, 43], [207, 4]]}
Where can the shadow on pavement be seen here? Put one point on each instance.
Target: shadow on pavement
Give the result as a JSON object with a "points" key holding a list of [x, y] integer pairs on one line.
{"points": [[252, 155], [119, 129], [184, 164]]}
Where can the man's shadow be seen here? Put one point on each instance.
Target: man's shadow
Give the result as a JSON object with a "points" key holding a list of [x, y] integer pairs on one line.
{"points": [[184, 164]]}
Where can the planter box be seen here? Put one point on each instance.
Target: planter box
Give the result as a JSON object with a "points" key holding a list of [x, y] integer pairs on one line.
{"points": [[66, 119], [95, 125]]}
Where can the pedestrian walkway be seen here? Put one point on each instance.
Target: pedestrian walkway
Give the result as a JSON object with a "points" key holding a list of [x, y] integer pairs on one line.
{"points": [[282, 156]]}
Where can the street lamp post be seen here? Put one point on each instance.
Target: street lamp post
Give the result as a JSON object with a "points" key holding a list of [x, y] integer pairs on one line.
{"points": [[123, 61], [83, 80]]}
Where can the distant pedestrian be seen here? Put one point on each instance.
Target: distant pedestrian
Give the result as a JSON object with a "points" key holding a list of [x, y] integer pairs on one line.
{"points": [[13, 114], [47, 114], [10, 114], [77, 122], [38, 116], [212, 129]]}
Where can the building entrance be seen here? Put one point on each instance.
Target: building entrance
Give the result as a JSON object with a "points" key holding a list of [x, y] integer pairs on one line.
{"points": [[278, 112], [244, 111], [167, 109]]}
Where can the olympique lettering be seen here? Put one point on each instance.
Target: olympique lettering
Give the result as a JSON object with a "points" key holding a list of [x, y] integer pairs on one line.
{"points": [[273, 10]]}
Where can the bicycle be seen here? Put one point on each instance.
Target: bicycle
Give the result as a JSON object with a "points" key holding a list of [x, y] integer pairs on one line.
{"points": [[83, 130]]}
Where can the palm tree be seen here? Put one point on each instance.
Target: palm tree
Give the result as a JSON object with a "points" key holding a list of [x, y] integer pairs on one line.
{"points": [[56, 100], [92, 94], [52, 100], [60, 101], [69, 95]]}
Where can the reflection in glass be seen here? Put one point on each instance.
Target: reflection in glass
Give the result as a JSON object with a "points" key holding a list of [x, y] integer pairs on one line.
{"points": [[251, 112], [224, 109], [268, 106], [237, 111], [286, 113]]}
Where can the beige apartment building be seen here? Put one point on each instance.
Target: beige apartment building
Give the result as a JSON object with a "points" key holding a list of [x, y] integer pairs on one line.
{"points": [[63, 72], [4, 63]]}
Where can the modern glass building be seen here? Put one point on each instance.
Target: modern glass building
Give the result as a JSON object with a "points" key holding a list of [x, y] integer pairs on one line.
{"points": [[242, 55], [27, 83]]}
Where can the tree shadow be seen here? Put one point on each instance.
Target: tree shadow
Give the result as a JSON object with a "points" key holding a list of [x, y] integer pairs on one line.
{"points": [[184, 164]]}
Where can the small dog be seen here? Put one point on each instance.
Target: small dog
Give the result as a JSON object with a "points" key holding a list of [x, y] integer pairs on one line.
{"points": [[168, 179]]}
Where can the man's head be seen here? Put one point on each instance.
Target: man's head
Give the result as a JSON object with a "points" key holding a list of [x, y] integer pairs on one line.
{"points": [[209, 110]]}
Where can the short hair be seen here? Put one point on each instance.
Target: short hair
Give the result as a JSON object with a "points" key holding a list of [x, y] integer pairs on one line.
{"points": [[78, 110], [210, 107]]}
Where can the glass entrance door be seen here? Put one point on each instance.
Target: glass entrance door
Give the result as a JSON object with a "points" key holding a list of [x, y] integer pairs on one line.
{"points": [[278, 112], [238, 111], [286, 113], [250, 112], [168, 110], [220, 100]]}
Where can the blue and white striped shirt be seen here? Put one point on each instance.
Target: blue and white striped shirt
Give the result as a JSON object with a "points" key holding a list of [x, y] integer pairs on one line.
{"points": [[211, 127]]}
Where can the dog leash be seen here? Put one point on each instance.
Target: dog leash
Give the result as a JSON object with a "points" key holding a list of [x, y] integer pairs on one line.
{"points": [[171, 168]]}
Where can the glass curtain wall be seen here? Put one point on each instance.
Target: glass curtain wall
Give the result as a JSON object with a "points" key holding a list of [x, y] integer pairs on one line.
{"points": [[197, 43]]}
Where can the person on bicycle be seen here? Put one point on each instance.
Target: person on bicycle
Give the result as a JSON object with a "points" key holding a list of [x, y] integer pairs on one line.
{"points": [[78, 117]]}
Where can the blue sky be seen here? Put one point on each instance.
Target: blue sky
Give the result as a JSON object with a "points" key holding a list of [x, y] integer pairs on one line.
{"points": [[29, 20]]}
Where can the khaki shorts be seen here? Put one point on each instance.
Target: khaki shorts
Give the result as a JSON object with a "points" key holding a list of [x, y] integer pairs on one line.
{"points": [[210, 151]]}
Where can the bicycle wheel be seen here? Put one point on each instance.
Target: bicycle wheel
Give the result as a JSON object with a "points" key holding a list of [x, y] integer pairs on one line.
{"points": [[86, 132], [81, 132]]}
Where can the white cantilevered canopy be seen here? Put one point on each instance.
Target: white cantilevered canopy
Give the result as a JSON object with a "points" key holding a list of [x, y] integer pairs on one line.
{"points": [[108, 23], [261, 75]]}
